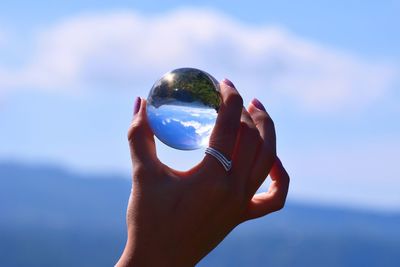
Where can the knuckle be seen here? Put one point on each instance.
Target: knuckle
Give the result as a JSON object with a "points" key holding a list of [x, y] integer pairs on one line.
{"points": [[251, 132], [264, 118], [134, 129], [267, 120], [229, 129], [269, 151], [250, 139], [278, 205], [145, 169], [287, 179], [260, 116], [139, 170], [223, 133], [234, 99]]}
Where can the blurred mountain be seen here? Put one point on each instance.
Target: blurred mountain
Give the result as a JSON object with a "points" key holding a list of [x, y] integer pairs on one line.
{"points": [[51, 216]]}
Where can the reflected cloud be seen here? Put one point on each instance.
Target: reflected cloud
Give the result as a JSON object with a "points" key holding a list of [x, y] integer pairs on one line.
{"points": [[177, 127]]}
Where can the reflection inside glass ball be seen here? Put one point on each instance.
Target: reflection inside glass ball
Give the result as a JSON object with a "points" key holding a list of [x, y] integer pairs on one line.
{"points": [[182, 108]]}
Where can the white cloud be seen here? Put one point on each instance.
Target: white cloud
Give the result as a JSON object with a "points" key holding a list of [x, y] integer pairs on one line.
{"points": [[124, 50], [199, 128]]}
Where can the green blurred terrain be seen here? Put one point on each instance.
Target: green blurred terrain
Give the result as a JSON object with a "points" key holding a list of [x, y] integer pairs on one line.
{"points": [[185, 85]]}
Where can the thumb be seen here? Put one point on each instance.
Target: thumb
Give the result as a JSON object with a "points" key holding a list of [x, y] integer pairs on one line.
{"points": [[141, 137]]}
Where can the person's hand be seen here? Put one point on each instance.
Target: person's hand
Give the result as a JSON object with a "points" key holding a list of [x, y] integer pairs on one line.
{"points": [[175, 218]]}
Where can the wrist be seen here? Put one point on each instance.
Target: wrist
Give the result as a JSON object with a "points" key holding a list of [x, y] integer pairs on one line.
{"points": [[137, 256]]}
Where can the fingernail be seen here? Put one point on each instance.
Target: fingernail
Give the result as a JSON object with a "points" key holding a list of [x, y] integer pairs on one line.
{"points": [[229, 83], [136, 108], [258, 104]]}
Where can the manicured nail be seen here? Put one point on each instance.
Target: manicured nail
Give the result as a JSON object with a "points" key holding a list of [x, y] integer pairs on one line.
{"points": [[258, 104], [136, 108], [229, 83]]}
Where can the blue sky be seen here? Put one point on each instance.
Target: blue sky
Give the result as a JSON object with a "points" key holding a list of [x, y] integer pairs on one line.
{"points": [[327, 72]]}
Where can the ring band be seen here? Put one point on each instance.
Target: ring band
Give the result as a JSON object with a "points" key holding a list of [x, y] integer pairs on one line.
{"points": [[227, 164]]}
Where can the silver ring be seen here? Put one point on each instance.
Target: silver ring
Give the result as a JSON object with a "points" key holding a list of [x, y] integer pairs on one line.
{"points": [[227, 164]]}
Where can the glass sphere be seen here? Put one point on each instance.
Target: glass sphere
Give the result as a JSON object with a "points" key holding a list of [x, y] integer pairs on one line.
{"points": [[182, 107]]}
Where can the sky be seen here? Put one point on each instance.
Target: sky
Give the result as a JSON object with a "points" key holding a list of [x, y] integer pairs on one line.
{"points": [[327, 72]]}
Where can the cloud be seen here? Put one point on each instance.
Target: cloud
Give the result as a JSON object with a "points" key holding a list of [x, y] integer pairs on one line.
{"points": [[125, 50], [199, 128]]}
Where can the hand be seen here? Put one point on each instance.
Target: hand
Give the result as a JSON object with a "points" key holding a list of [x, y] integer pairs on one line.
{"points": [[175, 218]]}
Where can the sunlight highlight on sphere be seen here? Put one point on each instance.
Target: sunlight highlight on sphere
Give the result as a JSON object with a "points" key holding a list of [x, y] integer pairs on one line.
{"points": [[182, 108]]}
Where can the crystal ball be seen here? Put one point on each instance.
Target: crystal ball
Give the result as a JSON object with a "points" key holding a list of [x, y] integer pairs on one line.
{"points": [[182, 108]]}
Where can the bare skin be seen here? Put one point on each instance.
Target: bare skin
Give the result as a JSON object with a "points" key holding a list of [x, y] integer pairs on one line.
{"points": [[175, 218]]}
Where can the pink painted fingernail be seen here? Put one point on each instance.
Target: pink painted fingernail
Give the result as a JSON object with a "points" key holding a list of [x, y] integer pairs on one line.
{"points": [[258, 104], [229, 83], [136, 107]]}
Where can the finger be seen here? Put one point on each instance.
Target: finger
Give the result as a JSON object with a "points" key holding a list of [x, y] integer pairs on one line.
{"points": [[273, 200], [267, 153], [247, 145], [226, 128], [141, 138]]}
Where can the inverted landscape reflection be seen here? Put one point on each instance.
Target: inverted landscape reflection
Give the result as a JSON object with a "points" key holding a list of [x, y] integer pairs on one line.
{"points": [[182, 108], [184, 126]]}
